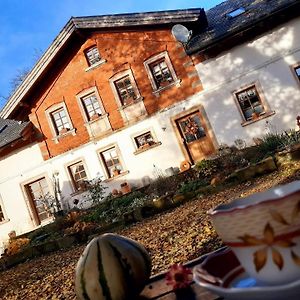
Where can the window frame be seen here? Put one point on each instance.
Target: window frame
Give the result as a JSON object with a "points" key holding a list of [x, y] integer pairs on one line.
{"points": [[107, 174], [119, 76], [55, 134], [156, 58], [85, 93], [76, 189], [267, 111], [140, 149], [293, 69], [95, 64], [3, 212]]}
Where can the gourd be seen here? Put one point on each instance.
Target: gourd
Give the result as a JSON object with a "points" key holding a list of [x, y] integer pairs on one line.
{"points": [[112, 267]]}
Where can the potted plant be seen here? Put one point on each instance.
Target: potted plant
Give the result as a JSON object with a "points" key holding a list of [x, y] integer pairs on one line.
{"points": [[116, 172], [125, 188]]}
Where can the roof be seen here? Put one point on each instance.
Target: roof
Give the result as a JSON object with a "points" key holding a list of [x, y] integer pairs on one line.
{"points": [[220, 26], [77, 24], [10, 131]]}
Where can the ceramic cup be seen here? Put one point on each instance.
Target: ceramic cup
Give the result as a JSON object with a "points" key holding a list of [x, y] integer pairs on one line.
{"points": [[263, 230]]}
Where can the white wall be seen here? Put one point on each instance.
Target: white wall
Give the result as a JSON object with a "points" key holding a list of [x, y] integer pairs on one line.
{"points": [[266, 60]]}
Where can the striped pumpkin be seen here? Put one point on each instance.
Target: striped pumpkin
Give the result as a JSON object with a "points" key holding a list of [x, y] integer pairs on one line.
{"points": [[112, 267]]}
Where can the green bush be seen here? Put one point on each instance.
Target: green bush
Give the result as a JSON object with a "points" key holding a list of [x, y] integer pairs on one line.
{"points": [[207, 168], [192, 186], [114, 208]]}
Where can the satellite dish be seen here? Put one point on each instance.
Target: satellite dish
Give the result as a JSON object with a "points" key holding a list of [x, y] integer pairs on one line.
{"points": [[180, 33]]}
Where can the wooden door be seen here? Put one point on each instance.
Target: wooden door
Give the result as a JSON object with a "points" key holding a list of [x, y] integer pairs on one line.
{"points": [[195, 137], [38, 192]]}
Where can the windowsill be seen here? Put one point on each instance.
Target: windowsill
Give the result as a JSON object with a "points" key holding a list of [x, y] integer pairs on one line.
{"points": [[4, 221], [140, 150], [261, 117], [96, 65], [62, 135], [176, 83], [137, 100], [98, 118], [116, 177]]}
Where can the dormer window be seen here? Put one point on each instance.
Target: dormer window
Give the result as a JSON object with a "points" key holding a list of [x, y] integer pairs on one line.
{"points": [[236, 12], [92, 55]]}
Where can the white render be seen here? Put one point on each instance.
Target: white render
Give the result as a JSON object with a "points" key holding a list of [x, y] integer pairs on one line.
{"points": [[266, 60]]}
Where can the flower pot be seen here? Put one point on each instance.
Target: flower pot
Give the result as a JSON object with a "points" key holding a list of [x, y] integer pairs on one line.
{"points": [[125, 188]]}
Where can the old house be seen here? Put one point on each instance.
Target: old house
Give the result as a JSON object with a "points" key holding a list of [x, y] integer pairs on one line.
{"points": [[117, 96]]}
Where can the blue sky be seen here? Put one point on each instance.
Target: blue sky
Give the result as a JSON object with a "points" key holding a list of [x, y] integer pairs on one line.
{"points": [[28, 27]]}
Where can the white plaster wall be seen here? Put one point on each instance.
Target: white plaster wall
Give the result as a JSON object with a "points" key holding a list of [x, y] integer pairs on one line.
{"points": [[266, 60], [26, 165]]}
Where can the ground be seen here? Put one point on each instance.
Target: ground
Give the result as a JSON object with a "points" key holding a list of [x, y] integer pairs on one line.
{"points": [[171, 237]]}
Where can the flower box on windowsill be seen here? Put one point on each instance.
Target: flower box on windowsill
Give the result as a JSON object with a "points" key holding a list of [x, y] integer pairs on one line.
{"points": [[116, 177], [145, 148], [63, 134], [167, 86], [260, 117]]}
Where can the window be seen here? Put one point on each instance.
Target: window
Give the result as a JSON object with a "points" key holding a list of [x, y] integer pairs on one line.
{"points": [[78, 175], [144, 140], [60, 121], [40, 199], [125, 90], [250, 103], [111, 161], [236, 12], [92, 55], [160, 71], [2, 218], [297, 71], [91, 106]]}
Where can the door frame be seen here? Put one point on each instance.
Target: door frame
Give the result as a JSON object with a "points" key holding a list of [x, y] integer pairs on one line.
{"points": [[29, 203], [210, 133]]}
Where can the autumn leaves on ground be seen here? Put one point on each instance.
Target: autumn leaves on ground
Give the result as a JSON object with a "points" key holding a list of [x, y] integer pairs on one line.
{"points": [[171, 237]]}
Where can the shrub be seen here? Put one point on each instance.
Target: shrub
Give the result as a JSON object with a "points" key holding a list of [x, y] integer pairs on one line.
{"points": [[192, 186], [95, 190], [207, 168], [114, 208]]}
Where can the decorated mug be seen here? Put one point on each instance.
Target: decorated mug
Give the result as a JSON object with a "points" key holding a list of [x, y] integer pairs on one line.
{"points": [[263, 230]]}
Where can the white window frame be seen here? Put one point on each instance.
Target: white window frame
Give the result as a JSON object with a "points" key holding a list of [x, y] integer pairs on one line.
{"points": [[147, 63], [119, 76], [80, 96], [56, 135]]}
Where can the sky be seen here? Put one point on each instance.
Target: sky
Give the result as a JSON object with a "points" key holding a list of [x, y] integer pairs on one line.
{"points": [[28, 27]]}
